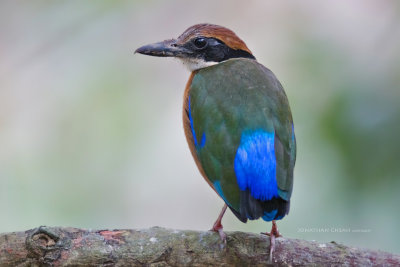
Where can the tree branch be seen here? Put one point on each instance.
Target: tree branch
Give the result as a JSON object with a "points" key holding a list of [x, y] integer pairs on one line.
{"points": [[58, 246]]}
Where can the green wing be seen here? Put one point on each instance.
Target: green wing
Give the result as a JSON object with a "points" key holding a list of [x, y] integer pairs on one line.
{"points": [[227, 100]]}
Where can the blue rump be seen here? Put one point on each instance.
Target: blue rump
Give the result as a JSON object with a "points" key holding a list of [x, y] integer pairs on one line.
{"points": [[255, 165]]}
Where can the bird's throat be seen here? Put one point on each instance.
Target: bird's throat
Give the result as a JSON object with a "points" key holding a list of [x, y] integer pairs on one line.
{"points": [[193, 64]]}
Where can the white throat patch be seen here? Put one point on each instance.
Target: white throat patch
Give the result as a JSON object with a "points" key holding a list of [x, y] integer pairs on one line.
{"points": [[196, 63]]}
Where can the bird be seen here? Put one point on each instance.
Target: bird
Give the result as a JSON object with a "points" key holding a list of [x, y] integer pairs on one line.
{"points": [[238, 124]]}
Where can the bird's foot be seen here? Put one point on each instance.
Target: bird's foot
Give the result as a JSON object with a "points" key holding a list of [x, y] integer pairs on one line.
{"points": [[272, 236], [220, 229], [217, 227], [274, 231]]}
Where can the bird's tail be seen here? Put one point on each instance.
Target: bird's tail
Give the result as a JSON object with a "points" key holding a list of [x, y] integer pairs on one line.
{"points": [[252, 209]]}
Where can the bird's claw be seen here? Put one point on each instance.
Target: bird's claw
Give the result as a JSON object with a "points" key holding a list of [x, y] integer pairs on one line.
{"points": [[269, 234], [274, 231], [218, 228], [272, 235], [221, 233]]}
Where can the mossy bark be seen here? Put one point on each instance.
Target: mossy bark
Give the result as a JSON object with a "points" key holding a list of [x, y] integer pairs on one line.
{"points": [[59, 246]]}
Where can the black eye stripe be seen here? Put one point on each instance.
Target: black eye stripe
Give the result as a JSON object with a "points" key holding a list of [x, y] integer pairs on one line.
{"points": [[215, 50]]}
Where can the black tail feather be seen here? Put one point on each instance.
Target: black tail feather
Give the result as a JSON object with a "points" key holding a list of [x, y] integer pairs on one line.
{"points": [[251, 208], [238, 215]]}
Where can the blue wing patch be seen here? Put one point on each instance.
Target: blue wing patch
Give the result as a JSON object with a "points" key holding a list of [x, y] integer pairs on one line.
{"points": [[255, 165], [203, 137]]}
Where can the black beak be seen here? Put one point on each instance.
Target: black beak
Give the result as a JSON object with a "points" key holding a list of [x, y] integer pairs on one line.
{"points": [[167, 48]]}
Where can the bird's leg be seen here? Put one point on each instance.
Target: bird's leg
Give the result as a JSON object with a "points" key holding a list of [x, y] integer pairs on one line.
{"points": [[274, 230], [272, 235], [217, 227]]}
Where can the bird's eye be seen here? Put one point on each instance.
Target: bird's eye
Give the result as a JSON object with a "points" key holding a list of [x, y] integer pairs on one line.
{"points": [[200, 42]]}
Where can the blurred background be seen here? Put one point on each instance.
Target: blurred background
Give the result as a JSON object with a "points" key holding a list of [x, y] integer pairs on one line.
{"points": [[91, 134]]}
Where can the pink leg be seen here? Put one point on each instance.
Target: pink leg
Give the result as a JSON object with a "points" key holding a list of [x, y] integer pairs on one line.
{"points": [[217, 227], [272, 235]]}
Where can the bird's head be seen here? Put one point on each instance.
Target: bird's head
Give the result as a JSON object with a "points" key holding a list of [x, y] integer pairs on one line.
{"points": [[200, 46]]}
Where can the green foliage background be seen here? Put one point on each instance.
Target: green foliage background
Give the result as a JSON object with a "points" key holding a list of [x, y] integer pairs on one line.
{"points": [[91, 135]]}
